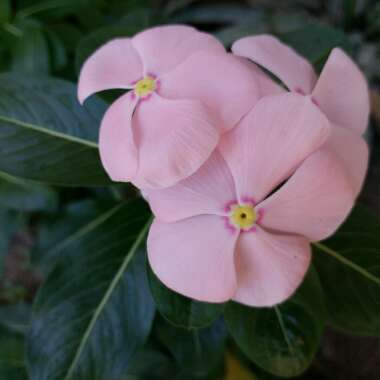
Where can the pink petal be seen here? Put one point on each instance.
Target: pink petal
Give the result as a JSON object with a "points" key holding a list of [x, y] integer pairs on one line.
{"points": [[116, 141], [194, 257], [163, 48], [342, 92], [266, 85], [269, 267], [284, 62], [217, 79], [114, 65], [175, 137], [353, 151], [205, 192], [314, 201], [271, 141]]}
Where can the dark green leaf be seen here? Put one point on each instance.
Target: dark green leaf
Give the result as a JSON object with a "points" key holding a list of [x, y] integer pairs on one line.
{"points": [[45, 135], [30, 53], [59, 229], [12, 364], [18, 194], [284, 339], [94, 311], [179, 310], [197, 352], [349, 268], [5, 11], [316, 41]]}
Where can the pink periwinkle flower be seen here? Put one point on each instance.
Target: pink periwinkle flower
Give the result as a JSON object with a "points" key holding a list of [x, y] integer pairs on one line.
{"points": [[240, 227], [184, 92], [341, 92]]}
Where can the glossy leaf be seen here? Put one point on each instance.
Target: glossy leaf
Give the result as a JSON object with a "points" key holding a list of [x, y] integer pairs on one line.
{"points": [[18, 194], [94, 311], [197, 352], [5, 11], [179, 310], [349, 267], [30, 52], [284, 339], [12, 363], [316, 41], [45, 135]]}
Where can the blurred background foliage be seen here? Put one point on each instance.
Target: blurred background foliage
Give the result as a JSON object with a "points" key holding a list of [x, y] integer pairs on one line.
{"points": [[47, 228]]}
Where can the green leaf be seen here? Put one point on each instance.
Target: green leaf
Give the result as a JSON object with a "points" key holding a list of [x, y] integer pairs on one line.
{"points": [[12, 363], [58, 230], [197, 352], [284, 339], [316, 41], [94, 311], [29, 50], [18, 194], [179, 310], [45, 135], [349, 268], [5, 11]]}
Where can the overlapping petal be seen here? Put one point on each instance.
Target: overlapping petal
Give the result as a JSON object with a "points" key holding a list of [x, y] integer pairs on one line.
{"points": [[116, 140], [194, 257], [164, 47], [114, 65], [352, 150], [174, 138], [267, 51], [314, 201], [342, 92], [271, 141], [221, 81], [267, 86], [269, 267], [205, 192]]}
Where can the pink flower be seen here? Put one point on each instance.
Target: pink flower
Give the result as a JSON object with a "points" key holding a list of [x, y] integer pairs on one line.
{"points": [[184, 92], [341, 92], [235, 229]]}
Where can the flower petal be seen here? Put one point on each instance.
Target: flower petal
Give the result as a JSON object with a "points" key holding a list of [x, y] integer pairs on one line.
{"points": [[314, 201], [353, 151], [194, 257], [205, 192], [174, 137], [269, 267], [342, 92], [217, 79], [266, 84], [116, 140], [164, 47], [271, 141], [114, 65], [284, 62]]}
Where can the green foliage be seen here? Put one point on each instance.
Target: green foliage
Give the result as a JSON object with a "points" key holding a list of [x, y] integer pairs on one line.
{"points": [[284, 339], [44, 133], [91, 318], [349, 268], [179, 310], [84, 238]]}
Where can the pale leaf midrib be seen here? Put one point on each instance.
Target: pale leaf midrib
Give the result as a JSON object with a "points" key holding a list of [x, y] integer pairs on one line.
{"points": [[50, 132], [106, 297], [348, 263]]}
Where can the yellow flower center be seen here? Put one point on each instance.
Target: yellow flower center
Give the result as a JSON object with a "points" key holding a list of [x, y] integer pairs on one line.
{"points": [[243, 216], [145, 86]]}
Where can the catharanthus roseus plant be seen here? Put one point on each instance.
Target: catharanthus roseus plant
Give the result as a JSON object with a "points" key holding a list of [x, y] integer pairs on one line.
{"points": [[211, 226]]}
